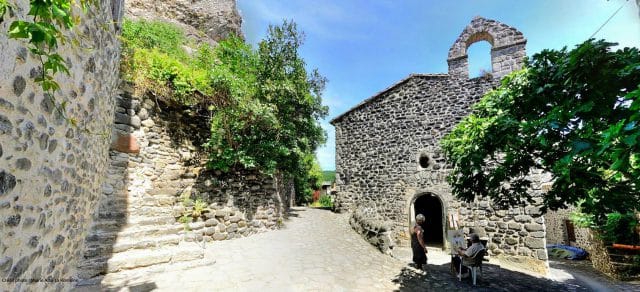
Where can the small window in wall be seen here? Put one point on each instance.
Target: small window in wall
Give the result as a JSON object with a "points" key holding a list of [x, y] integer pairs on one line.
{"points": [[479, 56], [424, 160]]}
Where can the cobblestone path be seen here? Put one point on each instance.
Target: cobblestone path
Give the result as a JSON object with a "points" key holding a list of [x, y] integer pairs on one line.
{"points": [[318, 251]]}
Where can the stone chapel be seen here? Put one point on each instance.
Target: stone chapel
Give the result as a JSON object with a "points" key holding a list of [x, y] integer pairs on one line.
{"points": [[389, 166]]}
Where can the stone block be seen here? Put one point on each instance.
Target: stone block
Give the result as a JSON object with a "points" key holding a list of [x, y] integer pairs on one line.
{"points": [[219, 236], [20, 267], [196, 225], [537, 234], [222, 213], [542, 254], [533, 210], [211, 222], [514, 226], [148, 123], [523, 251], [143, 114], [534, 243], [511, 241], [5, 265], [533, 227], [523, 218], [233, 227], [7, 182], [209, 231], [126, 144]]}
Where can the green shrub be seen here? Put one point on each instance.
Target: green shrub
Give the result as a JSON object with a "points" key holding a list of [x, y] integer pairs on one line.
{"points": [[162, 36], [264, 105], [325, 201], [620, 228]]}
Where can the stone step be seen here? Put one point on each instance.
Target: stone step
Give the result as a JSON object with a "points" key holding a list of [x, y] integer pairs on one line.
{"points": [[146, 220], [135, 219], [128, 278], [138, 258], [150, 212], [125, 244], [136, 210], [134, 231], [147, 257]]}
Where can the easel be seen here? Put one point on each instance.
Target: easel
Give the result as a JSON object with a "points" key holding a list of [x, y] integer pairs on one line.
{"points": [[454, 228]]}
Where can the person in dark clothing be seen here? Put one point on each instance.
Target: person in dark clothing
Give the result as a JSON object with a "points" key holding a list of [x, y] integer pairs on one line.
{"points": [[417, 243]]}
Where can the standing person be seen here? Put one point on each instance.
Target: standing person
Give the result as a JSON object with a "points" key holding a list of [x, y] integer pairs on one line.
{"points": [[417, 243]]}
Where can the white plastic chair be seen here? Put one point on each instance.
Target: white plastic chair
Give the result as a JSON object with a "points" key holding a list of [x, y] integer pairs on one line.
{"points": [[474, 267]]}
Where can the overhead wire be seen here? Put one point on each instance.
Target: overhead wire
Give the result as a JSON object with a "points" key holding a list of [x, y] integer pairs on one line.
{"points": [[610, 17]]}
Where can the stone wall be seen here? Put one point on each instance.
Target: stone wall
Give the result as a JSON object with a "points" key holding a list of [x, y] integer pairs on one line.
{"points": [[51, 171], [156, 160], [388, 152], [373, 227], [557, 232]]}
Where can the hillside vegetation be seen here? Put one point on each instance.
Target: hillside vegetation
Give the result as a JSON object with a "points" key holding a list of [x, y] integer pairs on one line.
{"points": [[264, 105]]}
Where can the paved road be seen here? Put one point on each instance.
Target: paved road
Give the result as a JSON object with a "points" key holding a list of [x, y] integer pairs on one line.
{"points": [[318, 251]]}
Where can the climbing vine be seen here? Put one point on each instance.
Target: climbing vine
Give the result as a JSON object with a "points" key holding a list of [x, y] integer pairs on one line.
{"points": [[44, 31]]}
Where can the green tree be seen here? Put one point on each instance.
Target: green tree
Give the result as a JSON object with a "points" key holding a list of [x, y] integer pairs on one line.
{"points": [[574, 114], [269, 107], [264, 105]]}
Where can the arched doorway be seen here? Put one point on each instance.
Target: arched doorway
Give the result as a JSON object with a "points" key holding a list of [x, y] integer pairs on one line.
{"points": [[430, 206]]}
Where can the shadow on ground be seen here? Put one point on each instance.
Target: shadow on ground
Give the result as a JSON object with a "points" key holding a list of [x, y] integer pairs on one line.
{"points": [[494, 278]]}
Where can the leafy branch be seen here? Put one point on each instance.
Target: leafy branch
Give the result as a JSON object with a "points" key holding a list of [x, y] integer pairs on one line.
{"points": [[43, 33]]}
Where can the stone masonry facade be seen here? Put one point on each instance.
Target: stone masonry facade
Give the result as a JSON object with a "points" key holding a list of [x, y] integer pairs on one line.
{"points": [[51, 171], [388, 153], [78, 202]]}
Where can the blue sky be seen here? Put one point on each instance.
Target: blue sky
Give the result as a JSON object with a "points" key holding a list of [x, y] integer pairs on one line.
{"points": [[363, 47]]}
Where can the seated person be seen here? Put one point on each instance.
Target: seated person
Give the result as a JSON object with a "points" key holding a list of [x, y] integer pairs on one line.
{"points": [[468, 254]]}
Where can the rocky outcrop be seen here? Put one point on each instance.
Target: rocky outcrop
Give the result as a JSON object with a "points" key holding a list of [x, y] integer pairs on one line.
{"points": [[201, 19]]}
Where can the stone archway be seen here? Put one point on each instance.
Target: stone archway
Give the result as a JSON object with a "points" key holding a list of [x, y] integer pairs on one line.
{"points": [[507, 47], [432, 207]]}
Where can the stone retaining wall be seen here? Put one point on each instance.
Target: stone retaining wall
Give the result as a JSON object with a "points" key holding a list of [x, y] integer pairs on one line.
{"points": [[50, 170], [375, 229], [156, 161]]}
